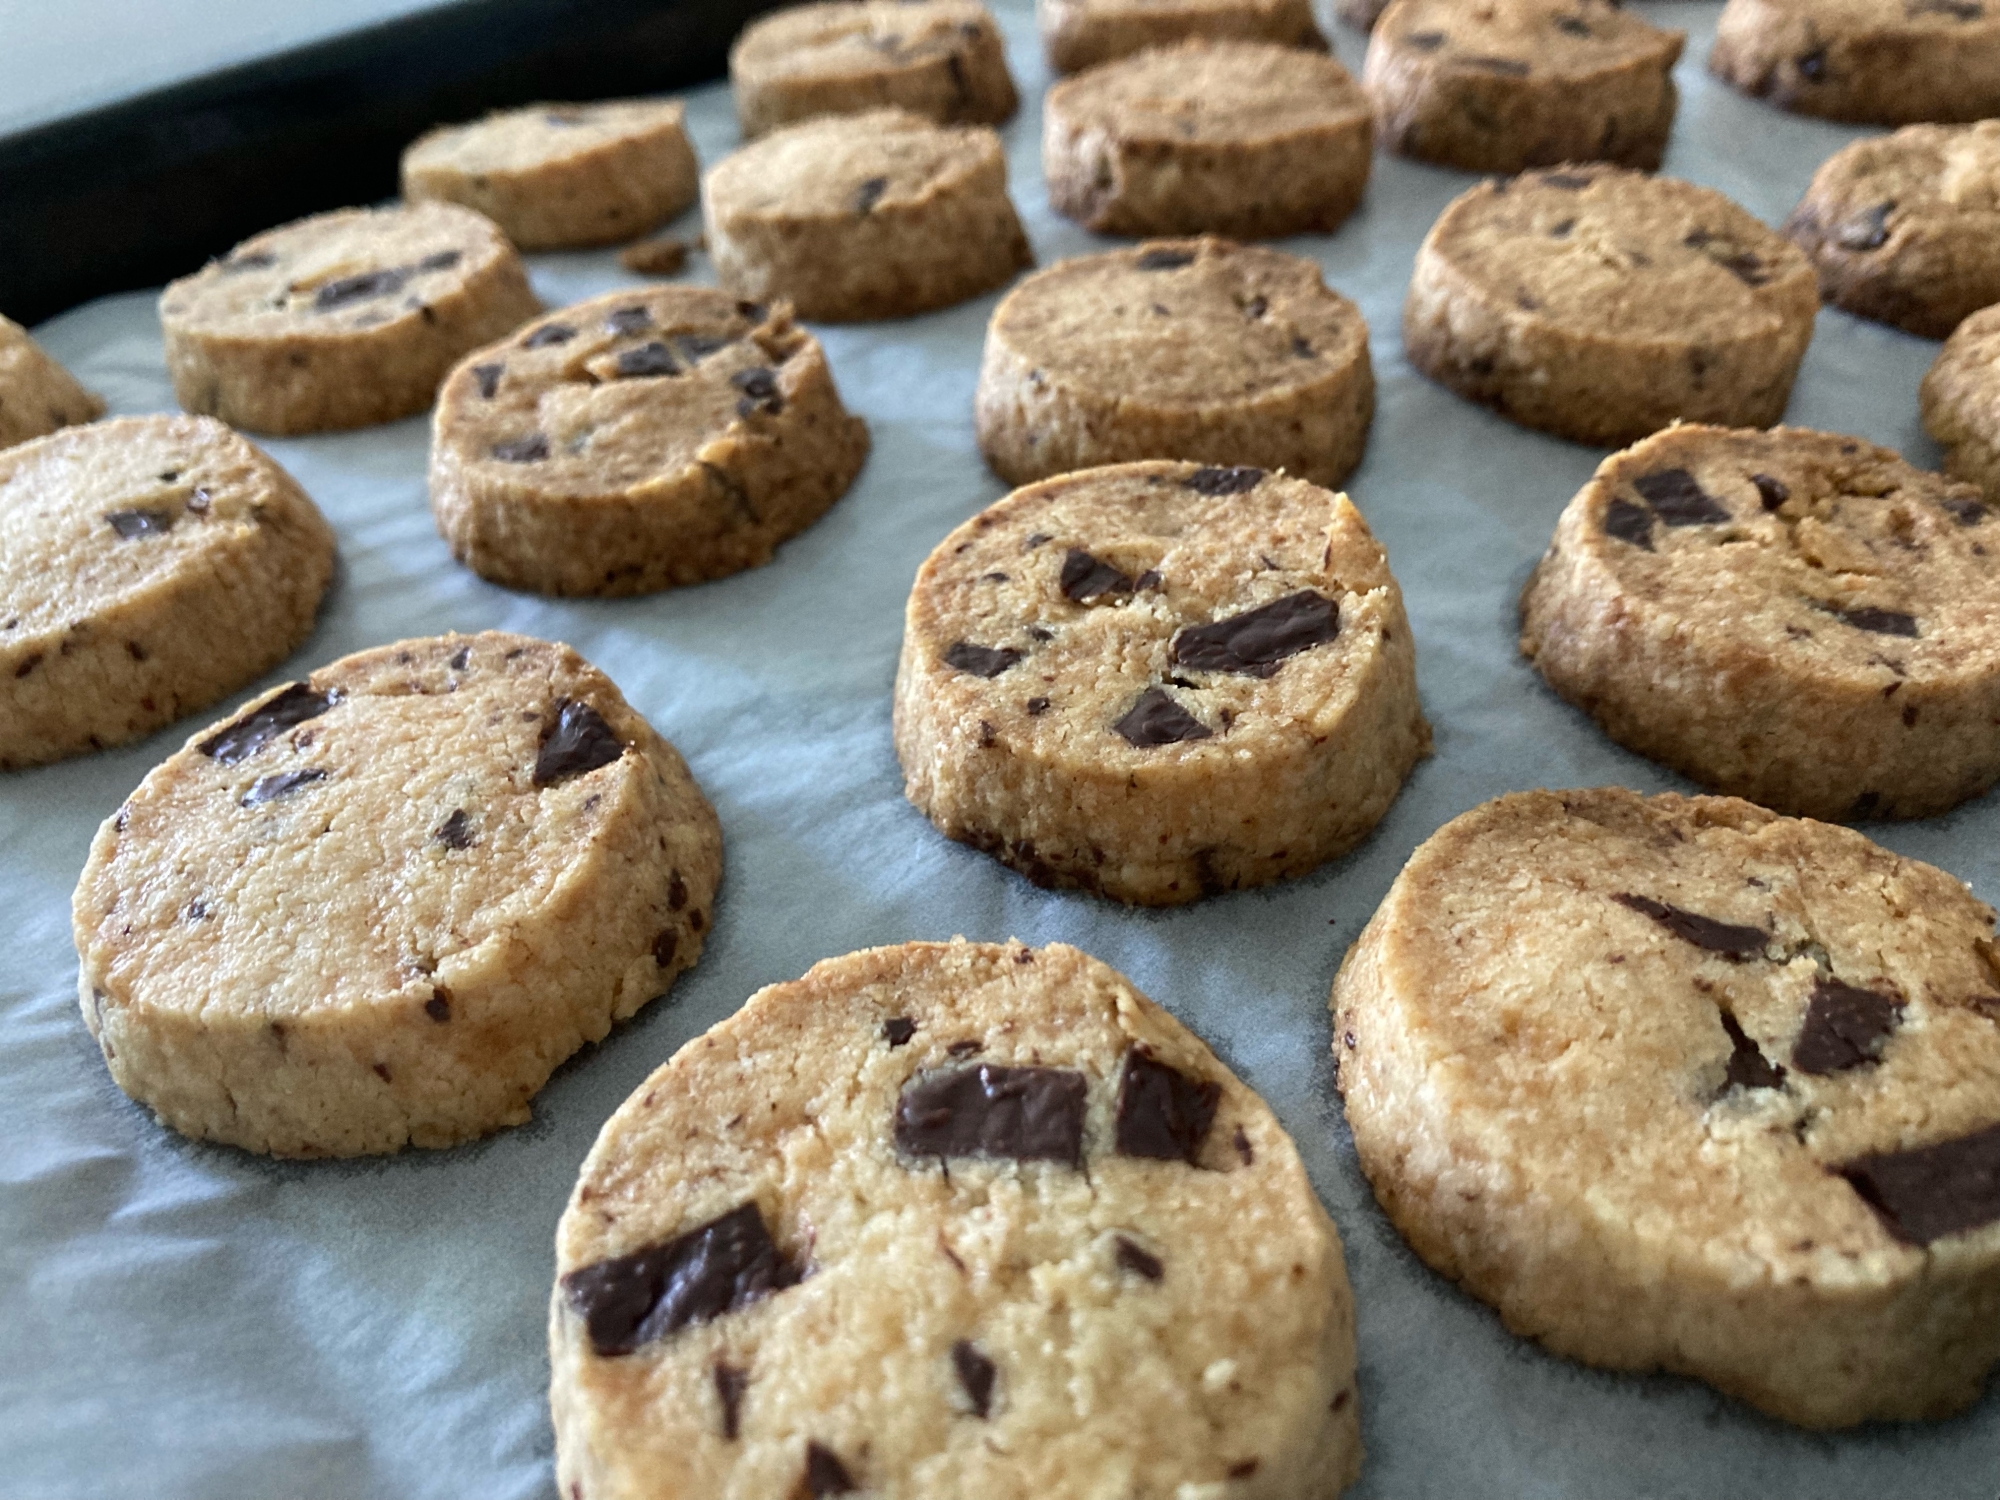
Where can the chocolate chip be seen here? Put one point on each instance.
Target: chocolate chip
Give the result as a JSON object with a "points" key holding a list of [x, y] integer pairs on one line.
{"points": [[1812, 65], [898, 1030], [1875, 621], [1928, 1192], [664, 946], [626, 321], [677, 892], [1164, 260], [966, 1047], [1216, 482], [1866, 231], [1748, 1067], [440, 260], [531, 449], [652, 1293], [1156, 719], [1965, 512], [547, 334], [575, 742], [1730, 939], [1086, 580], [459, 658], [133, 524], [1141, 1262], [760, 391], [1629, 523], [360, 288], [1256, 307], [1573, 25], [654, 358], [696, 347], [488, 377], [1678, 500], [1773, 492], [255, 260], [825, 1474], [975, 1373], [1507, 66], [438, 1007], [455, 832], [730, 1383], [1242, 1145], [1845, 1027], [980, 661], [1244, 1469], [242, 739], [869, 194], [1036, 707], [1258, 641], [1150, 579], [1023, 1114], [1424, 41], [1163, 1114], [1958, 10], [1568, 182]]}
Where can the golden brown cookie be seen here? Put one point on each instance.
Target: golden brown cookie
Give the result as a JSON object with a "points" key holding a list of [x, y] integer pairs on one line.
{"points": [[1078, 34], [1961, 402], [37, 395], [1880, 62]]}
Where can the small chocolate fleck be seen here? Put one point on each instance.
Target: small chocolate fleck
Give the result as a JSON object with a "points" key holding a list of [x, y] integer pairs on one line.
{"points": [[1256, 307], [626, 321], [1036, 707], [975, 1373], [455, 832], [1508, 67], [1928, 1192], [1424, 41], [531, 449], [730, 1383], [243, 738], [1773, 492], [1023, 1114], [359, 288], [575, 742], [1866, 231], [1163, 1114], [664, 946], [825, 1474], [869, 194], [133, 524], [980, 661], [653, 358], [1748, 1067], [1568, 182], [1136, 1259], [547, 334], [1164, 260], [966, 1048], [1150, 579], [458, 659], [1965, 512], [1678, 500], [677, 892], [1258, 641], [1156, 719], [696, 347], [255, 260], [760, 391], [488, 377], [1243, 1147], [1958, 10], [438, 1007], [1845, 1027], [1218, 481], [1573, 25], [1812, 65], [1876, 621], [898, 1030], [1243, 1469], [1629, 523], [1086, 580], [1730, 939]]}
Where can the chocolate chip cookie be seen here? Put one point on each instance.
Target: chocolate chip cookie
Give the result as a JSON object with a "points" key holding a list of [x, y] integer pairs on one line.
{"points": [[378, 907], [942, 59], [341, 320], [1880, 62], [1961, 402], [1905, 228], [1158, 681], [37, 395], [148, 566], [638, 441], [1675, 1083], [1509, 84], [950, 1219], [853, 217], [1600, 305], [555, 176], [1078, 34], [1248, 139], [1196, 349], [1795, 617]]}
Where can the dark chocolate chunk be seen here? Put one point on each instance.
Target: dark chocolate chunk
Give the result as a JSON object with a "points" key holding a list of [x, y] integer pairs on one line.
{"points": [[440, 260], [1217, 481], [825, 1474], [576, 741], [1132, 1257], [488, 377], [455, 832], [1773, 492], [133, 524], [1629, 523], [897, 1030], [1023, 1114], [280, 784], [654, 358], [1424, 41], [1876, 621], [438, 1007], [242, 739], [1568, 182], [1812, 65], [664, 946], [1866, 231], [1730, 939], [677, 892], [1086, 580], [1965, 512], [626, 321], [1150, 579], [1748, 1067], [531, 449], [730, 1383], [975, 1373], [980, 661], [547, 334], [360, 288], [1258, 641], [715, 1268], [1845, 1027], [1155, 719], [1163, 1114], [1164, 260], [1928, 1192], [1036, 707], [869, 194], [760, 391], [1678, 500], [1506, 66], [459, 658]]}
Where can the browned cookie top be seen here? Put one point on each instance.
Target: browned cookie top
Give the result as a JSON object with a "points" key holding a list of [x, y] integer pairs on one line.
{"points": [[1213, 93], [1557, 41], [862, 42], [847, 165]]}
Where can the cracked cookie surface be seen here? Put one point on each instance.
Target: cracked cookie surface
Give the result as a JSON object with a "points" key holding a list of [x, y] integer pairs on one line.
{"points": [[377, 907], [949, 1219], [1880, 62], [1675, 1083]]}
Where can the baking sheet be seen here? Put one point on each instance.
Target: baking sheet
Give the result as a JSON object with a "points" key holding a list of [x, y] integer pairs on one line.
{"points": [[188, 1320]]}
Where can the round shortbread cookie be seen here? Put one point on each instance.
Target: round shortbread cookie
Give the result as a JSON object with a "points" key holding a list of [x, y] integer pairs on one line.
{"points": [[1157, 681], [1249, 139], [1195, 349], [1078, 34], [378, 907], [1905, 229], [148, 566], [554, 176], [37, 395], [877, 215], [1509, 84], [1880, 62], [637, 441], [1600, 305], [1961, 402], [341, 320], [949, 1219], [1675, 1083], [942, 59], [1794, 617]]}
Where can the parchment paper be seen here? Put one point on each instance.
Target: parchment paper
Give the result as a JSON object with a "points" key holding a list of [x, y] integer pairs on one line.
{"points": [[186, 1320]]}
